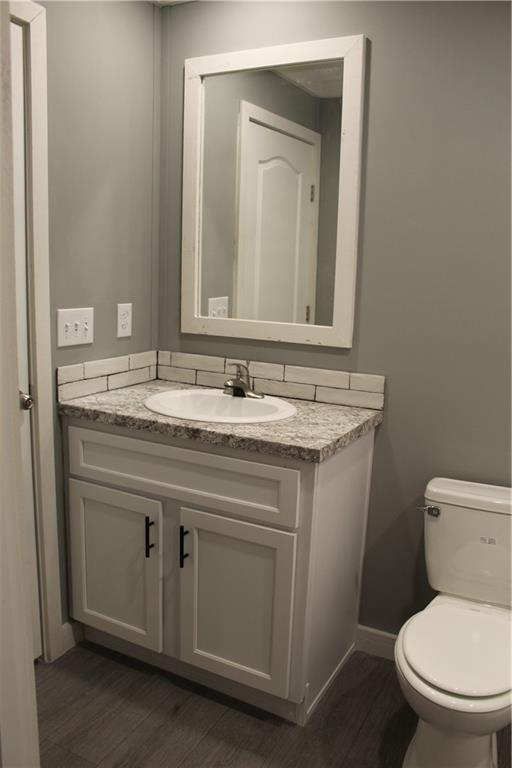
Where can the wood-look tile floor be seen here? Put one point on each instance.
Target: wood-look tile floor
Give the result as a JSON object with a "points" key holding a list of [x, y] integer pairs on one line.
{"points": [[97, 708]]}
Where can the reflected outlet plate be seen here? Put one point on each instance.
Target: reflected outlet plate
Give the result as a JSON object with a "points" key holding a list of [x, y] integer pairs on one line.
{"points": [[218, 306]]}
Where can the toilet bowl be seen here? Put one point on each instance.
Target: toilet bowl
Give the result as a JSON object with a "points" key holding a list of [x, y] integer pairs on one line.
{"points": [[453, 659], [453, 665]]}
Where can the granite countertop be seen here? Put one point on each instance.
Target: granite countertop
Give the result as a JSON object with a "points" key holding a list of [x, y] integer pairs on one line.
{"points": [[316, 432]]}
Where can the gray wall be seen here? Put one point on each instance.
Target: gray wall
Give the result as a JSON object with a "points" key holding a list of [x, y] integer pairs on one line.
{"points": [[433, 287], [103, 146], [223, 94], [103, 154]]}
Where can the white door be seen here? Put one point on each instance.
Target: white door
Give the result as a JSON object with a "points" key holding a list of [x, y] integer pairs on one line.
{"points": [[236, 589], [116, 562], [22, 312], [278, 218]]}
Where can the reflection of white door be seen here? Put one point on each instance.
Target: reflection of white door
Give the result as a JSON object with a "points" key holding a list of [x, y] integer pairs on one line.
{"points": [[277, 218], [27, 513]]}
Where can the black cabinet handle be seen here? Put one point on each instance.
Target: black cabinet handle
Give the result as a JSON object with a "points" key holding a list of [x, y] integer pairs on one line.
{"points": [[183, 554], [148, 525]]}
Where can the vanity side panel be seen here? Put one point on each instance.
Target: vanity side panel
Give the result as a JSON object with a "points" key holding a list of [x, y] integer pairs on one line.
{"points": [[298, 667], [337, 541]]}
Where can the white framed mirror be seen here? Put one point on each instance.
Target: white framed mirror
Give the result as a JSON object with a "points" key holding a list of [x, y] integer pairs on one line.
{"points": [[271, 184]]}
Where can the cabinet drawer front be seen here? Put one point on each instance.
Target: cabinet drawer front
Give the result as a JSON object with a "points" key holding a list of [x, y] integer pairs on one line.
{"points": [[116, 562], [236, 599], [250, 490]]}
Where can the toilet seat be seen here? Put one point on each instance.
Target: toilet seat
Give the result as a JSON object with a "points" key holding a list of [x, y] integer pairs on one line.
{"points": [[475, 705], [461, 649]]}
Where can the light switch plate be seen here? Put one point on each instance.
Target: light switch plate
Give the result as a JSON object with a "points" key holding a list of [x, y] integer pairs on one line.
{"points": [[75, 326], [124, 320], [218, 306]]}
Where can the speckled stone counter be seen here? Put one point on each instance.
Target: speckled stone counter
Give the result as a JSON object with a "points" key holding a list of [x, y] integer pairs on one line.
{"points": [[316, 432]]}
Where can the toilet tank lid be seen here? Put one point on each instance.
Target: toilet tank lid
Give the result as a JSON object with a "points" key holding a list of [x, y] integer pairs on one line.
{"points": [[491, 498]]}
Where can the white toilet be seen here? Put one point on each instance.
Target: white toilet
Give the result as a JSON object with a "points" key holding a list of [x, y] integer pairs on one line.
{"points": [[454, 658]]}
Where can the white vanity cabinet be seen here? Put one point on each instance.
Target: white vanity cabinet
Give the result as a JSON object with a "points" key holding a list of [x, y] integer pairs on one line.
{"points": [[236, 599], [116, 559], [235, 569]]}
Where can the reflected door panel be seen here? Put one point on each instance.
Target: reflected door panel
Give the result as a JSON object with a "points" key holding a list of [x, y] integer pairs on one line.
{"points": [[278, 221]]}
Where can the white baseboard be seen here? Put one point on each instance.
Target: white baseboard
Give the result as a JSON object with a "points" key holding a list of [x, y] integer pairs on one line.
{"points": [[375, 642], [62, 639]]}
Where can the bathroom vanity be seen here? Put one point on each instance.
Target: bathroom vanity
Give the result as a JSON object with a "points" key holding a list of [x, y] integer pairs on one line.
{"points": [[231, 553], [227, 553]]}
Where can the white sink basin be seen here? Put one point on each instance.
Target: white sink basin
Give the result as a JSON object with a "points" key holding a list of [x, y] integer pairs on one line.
{"points": [[214, 405]]}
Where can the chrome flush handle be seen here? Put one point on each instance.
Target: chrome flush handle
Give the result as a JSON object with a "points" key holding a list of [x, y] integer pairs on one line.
{"points": [[430, 510]]}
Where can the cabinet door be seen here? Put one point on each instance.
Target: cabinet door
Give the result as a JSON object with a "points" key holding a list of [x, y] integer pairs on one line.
{"points": [[116, 562], [236, 586]]}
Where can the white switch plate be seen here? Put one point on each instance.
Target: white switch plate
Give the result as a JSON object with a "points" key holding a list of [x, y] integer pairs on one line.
{"points": [[75, 326], [124, 320], [218, 306]]}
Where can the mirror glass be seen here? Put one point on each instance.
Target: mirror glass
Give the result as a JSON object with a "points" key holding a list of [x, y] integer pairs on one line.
{"points": [[269, 195]]}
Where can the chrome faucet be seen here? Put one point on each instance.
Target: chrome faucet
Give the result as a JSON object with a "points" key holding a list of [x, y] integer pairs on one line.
{"points": [[240, 384]]}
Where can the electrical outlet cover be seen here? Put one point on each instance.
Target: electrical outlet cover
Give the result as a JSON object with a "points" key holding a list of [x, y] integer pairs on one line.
{"points": [[124, 320], [218, 306]]}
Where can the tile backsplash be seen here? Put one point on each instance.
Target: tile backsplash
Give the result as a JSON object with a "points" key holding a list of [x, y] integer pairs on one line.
{"points": [[100, 375], [364, 390]]}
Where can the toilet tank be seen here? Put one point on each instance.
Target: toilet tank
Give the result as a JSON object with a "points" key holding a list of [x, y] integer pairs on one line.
{"points": [[467, 545]]}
